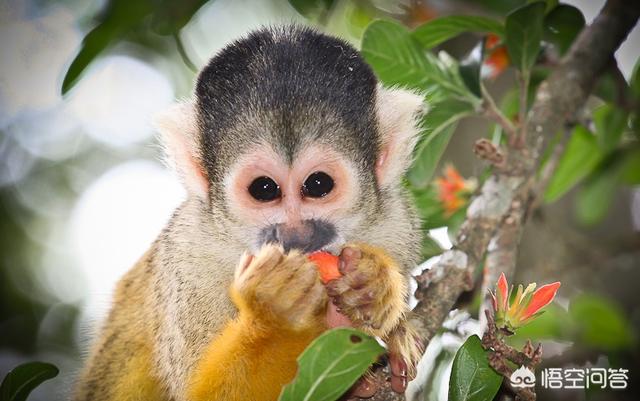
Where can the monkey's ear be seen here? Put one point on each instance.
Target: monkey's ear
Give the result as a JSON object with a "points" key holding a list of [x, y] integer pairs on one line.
{"points": [[398, 114], [179, 136]]}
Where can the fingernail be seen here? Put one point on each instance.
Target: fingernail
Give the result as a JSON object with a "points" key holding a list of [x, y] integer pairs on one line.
{"points": [[398, 367], [347, 252], [398, 384]]}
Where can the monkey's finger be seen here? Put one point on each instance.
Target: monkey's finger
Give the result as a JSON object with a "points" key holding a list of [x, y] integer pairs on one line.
{"points": [[398, 365], [399, 384], [399, 373], [337, 287], [335, 318], [245, 261], [349, 259], [304, 277], [268, 258], [356, 279], [357, 298], [299, 282], [311, 304]]}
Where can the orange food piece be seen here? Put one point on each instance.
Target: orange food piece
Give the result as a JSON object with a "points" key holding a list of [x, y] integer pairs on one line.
{"points": [[327, 265]]}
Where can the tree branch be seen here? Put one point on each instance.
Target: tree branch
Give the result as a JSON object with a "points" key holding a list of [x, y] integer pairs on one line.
{"points": [[509, 191]]}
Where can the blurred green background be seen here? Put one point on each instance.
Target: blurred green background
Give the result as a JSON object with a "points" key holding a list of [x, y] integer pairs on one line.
{"points": [[83, 192]]}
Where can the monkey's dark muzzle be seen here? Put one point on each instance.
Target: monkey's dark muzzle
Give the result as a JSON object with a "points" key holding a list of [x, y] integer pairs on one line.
{"points": [[309, 236]]}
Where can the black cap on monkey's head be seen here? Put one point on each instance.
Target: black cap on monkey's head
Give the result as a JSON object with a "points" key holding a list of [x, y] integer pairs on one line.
{"points": [[287, 86]]}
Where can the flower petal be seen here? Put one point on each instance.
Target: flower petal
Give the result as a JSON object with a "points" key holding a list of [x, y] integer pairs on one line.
{"points": [[502, 293], [542, 297], [494, 302]]}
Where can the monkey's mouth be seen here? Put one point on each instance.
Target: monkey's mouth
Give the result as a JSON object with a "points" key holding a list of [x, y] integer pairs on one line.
{"points": [[309, 236], [334, 247]]}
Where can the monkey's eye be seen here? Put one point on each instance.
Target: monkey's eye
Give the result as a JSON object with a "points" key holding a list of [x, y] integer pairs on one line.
{"points": [[317, 185], [264, 189]]}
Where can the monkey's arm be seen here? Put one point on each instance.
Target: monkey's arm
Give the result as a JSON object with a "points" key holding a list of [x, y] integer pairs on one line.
{"points": [[373, 293], [255, 354]]}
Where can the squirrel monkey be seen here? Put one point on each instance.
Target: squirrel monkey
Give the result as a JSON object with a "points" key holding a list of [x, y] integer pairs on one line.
{"points": [[289, 145]]}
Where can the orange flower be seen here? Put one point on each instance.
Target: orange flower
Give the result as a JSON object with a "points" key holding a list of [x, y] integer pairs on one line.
{"points": [[497, 59], [514, 312], [492, 41], [541, 298], [453, 190]]}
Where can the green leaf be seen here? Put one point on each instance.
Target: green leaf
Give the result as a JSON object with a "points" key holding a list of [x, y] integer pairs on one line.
{"points": [[524, 33], [358, 17], [171, 16], [441, 29], [439, 124], [610, 123], [119, 17], [331, 364], [429, 207], [472, 379], [549, 4], [129, 20], [312, 8], [631, 167], [470, 68], [430, 247], [562, 25], [579, 159], [23, 379], [397, 59], [634, 82], [510, 103], [596, 195], [601, 323]]}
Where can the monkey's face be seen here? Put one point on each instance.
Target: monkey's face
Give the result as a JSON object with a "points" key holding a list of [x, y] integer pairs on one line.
{"points": [[290, 139], [308, 203]]}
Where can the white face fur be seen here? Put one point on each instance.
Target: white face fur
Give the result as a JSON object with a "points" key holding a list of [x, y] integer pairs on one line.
{"points": [[263, 189]]}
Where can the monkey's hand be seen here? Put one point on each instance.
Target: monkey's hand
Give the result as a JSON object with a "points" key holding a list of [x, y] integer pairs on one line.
{"points": [[281, 307], [279, 288], [372, 293]]}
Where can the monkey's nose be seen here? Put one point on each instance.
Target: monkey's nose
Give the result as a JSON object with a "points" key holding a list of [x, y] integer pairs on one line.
{"points": [[310, 236]]}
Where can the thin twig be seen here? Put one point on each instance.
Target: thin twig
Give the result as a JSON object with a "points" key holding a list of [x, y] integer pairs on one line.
{"points": [[492, 111], [524, 79], [500, 353]]}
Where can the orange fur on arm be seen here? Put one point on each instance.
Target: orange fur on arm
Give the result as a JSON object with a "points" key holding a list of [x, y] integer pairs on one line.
{"points": [[251, 359]]}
